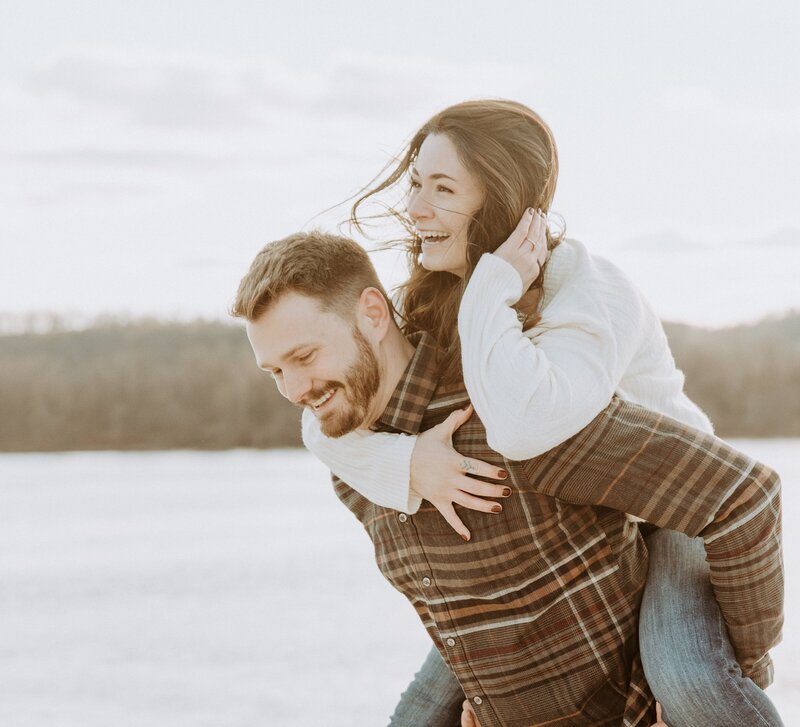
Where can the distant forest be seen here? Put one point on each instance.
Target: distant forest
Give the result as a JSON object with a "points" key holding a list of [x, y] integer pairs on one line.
{"points": [[150, 385]]}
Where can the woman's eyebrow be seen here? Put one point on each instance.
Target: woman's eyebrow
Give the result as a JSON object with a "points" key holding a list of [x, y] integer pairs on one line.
{"points": [[437, 175]]}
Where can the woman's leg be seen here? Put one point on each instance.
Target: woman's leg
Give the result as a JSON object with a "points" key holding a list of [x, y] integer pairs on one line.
{"points": [[433, 698], [686, 654]]}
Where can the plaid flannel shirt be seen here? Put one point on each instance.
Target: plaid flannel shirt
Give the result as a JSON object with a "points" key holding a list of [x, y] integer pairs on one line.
{"points": [[537, 615]]}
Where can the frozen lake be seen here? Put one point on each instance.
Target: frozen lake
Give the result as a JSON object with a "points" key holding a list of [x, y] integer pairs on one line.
{"points": [[230, 589]]}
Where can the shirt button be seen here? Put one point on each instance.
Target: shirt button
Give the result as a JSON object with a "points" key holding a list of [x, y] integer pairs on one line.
{"points": [[426, 581], [477, 700], [451, 642], [402, 517]]}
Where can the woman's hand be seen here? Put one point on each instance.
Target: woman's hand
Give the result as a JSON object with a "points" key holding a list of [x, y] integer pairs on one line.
{"points": [[439, 474], [526, 248], [468, 716], [660, 722]]}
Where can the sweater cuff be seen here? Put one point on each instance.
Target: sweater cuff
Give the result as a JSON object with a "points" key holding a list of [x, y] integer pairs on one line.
{"points": [[396, 475], [496, 278], [376, 465]]}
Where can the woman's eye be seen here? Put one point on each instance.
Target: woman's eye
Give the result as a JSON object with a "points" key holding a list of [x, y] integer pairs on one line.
{"points": [[414, 184], [306, 358], [442, 188]]}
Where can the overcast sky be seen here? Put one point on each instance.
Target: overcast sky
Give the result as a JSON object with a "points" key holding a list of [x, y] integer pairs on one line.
{"points": [[149, 149]]}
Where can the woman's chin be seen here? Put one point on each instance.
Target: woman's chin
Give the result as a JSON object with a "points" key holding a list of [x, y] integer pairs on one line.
{"points": [[426, 262], [433, 262]]}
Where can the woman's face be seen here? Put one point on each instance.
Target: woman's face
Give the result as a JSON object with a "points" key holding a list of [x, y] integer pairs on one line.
{"points": [[443, 199]]}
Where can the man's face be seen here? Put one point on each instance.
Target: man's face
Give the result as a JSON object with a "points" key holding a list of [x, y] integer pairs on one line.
{"points": [[318, 360]]}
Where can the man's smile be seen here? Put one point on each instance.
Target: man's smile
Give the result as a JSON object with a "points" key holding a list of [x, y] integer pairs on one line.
{"points": [[318, 404]]}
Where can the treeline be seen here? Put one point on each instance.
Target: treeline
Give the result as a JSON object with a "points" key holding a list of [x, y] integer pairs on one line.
{"points": [[746, 378], [144, 385], [150, 385]]}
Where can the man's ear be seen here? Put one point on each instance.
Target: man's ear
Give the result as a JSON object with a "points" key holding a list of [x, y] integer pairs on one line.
{"points": [[374, 312]]}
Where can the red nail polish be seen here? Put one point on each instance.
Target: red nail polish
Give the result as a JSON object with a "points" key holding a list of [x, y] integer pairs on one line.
{"points": [[497, 508], [506, 492], [502, 474], [465, 537]]}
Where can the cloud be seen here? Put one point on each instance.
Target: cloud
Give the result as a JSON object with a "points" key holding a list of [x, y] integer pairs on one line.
{"points": [[116, 157], [668, 242], [168, 90], [743, 112], [172, 90], [671, 242], [362, 84], [103, 111], [782, 239]]}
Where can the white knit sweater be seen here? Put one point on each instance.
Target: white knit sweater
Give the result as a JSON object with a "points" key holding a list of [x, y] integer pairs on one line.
{"points": [[532, 389]]}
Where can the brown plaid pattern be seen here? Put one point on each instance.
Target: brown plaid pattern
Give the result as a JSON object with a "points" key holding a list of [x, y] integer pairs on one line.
{"points": [[537, 615]]}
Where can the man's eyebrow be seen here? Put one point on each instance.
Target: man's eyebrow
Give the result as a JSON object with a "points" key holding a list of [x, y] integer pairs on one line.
{"points": [[438, 175], [287, 355]]}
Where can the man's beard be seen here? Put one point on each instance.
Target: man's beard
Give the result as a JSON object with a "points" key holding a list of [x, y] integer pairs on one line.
{"points": [[361, 382]]}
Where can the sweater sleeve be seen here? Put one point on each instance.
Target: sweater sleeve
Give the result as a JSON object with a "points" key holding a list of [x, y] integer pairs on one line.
{"points": [[535, 389], [375, 464]]}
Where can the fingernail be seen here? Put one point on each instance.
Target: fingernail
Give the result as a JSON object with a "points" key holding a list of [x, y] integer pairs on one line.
{"points": [[465, 537], [530, 210], [502, 474], [497, 508], [506, 492]]}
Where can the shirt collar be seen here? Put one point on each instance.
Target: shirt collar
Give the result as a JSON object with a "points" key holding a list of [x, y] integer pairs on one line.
{"points": [[413, 393]]}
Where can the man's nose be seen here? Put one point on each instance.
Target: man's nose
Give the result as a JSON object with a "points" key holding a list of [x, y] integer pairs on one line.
{"points": [[296, 386]]}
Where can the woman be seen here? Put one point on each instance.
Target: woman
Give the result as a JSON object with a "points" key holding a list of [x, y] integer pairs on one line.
{"points": [[570, 331]]}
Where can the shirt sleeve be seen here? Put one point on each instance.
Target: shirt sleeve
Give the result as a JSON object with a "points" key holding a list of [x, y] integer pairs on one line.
{"points": [[533, 390], [375, 464], [636, 461]]}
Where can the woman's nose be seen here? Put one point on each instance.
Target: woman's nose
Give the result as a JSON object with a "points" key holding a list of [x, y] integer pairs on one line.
{"points": [[418, 208]]}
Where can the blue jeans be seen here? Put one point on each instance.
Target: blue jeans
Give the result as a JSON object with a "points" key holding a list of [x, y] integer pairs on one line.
{"points": [[687, 658], [686, 655]]}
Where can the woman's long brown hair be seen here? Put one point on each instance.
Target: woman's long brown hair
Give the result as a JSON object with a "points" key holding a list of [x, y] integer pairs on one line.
{"points": [[511, 151]]}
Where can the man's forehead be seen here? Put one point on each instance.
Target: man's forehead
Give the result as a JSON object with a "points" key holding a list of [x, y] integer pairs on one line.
{"points": [[294, 304], [293, 321]]}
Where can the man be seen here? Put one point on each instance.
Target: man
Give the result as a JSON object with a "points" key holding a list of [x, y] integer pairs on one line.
{"points": [[537, 615]]}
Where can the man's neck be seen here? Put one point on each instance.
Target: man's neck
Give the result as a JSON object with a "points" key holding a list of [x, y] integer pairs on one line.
{"points": [[393, 359]]}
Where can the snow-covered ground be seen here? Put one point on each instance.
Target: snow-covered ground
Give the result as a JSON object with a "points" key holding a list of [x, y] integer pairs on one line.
{"points": [[227, 589]]}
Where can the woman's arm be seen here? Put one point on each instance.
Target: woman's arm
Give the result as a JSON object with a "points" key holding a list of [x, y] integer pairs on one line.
{"points": [[535, 390], [375, 464], [398, 471]]}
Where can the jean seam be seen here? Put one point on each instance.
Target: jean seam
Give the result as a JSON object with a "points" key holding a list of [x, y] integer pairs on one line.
{"points": [[722, 634], [754, 707]]}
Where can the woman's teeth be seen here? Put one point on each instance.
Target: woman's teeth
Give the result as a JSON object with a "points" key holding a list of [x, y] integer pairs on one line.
{"points": [[433, 237]]}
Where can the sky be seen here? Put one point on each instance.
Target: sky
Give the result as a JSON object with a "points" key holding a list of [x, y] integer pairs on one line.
{"points": [[148, 150]]}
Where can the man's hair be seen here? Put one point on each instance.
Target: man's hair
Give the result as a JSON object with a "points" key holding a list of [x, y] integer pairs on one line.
{"points": [[332, 269]]}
